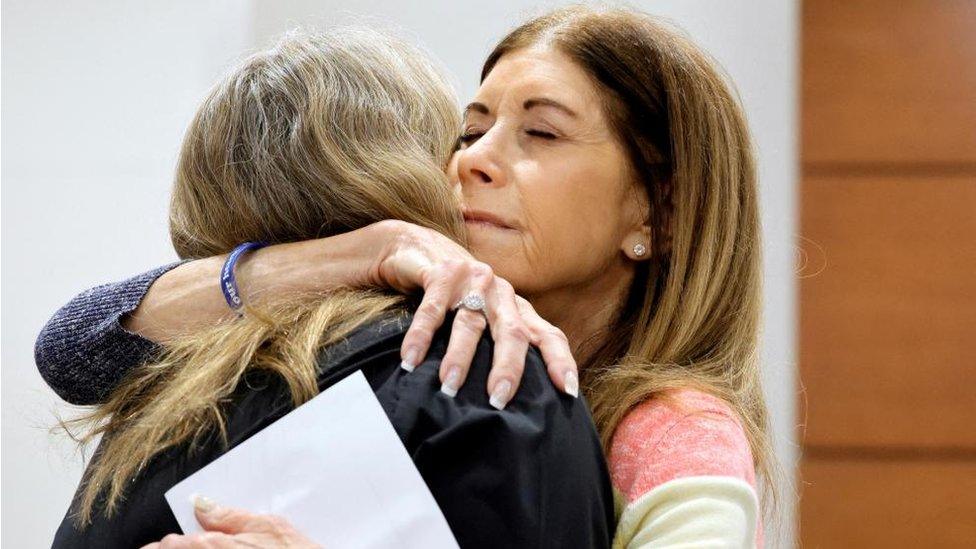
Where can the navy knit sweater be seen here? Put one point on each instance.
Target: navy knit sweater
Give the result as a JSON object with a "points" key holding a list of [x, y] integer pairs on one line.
{"points": [[83, 351]]}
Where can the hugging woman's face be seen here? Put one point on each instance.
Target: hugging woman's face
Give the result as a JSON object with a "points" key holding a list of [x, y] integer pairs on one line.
{"points": [[549, 198]]}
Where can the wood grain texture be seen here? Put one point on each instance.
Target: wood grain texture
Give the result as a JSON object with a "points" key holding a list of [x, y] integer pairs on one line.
{"points": [[889, 82], [888, 312], [890, 505]]}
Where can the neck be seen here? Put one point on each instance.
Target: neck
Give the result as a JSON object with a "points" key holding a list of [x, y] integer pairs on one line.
{"points": [[584, 312]]}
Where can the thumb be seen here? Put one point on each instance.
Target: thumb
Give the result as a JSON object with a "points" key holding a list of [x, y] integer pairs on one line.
{"points": [[216, 518]]}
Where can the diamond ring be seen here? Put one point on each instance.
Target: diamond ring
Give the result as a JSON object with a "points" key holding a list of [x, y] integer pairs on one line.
{"points": [[472, 302]]}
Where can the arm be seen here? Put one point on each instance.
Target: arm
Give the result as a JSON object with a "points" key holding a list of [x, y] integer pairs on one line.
{"points": [[189, 298], [89, 344], [86, 348], [388, 254], [685, 474]]}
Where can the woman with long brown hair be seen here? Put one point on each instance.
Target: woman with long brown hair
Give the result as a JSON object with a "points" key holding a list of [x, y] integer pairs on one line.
{"points": [[607, 174]]}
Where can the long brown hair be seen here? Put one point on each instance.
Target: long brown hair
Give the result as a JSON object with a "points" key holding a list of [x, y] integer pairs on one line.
{"points": [[318, 135], [693, 315]]}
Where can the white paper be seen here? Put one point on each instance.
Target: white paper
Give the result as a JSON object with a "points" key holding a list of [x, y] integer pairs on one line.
{"points": [[335, 468]]}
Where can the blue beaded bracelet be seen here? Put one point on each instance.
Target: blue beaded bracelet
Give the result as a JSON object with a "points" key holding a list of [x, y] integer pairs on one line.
{"points": [[228, 284]]}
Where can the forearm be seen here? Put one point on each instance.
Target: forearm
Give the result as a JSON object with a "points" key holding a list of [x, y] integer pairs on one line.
{"points": [[189, 297], [90, 343]]}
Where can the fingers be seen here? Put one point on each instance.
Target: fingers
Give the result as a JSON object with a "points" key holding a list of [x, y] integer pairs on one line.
{"points": [[201, 540], [554, 346], [511, 343], [234, 528], [513, 322], [465, 334], [446, 284], [216, 518], [443, 286]]}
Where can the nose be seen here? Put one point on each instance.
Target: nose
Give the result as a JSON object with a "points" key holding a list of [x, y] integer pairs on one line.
{"points": [[478, 163]]}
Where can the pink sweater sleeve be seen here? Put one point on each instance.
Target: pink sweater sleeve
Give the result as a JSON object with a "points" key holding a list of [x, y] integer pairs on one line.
{"points": [[684, 434]]}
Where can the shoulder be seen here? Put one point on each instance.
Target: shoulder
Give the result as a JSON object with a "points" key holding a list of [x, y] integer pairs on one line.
{"points": [[502, 474], [679, 434]]}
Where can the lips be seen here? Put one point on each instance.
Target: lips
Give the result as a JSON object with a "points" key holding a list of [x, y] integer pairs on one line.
{"points": [[475, 216]]}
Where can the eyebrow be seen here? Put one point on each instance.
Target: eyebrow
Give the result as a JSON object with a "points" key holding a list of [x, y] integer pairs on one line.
{"points": [[477, 107], [529, 104], [546, 102]]}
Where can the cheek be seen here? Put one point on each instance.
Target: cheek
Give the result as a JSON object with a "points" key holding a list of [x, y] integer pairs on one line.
{"points": [[584, 201], [571, 225], [574, 226]]}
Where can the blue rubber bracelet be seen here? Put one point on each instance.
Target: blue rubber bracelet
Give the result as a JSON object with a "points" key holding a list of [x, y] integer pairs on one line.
{"points": [[228, 284]]}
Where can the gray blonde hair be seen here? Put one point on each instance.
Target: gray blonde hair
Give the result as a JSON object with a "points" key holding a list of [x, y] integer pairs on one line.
{"points": [[321, 134]]}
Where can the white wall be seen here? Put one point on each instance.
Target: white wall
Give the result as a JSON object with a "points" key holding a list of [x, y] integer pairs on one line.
{"points": [[95, 99]]}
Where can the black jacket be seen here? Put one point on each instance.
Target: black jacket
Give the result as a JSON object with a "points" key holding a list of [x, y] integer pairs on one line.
{"points": [[532, 475]]}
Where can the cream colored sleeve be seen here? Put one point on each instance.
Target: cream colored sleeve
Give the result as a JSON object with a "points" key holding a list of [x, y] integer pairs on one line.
{"points": [[691, 512]]}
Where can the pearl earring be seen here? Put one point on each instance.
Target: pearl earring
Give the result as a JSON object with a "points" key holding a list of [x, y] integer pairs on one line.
{"points": [[640, 250]]}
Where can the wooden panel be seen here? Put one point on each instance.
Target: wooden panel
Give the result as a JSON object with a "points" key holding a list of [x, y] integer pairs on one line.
{"points": [[888, 315], [887, 504], [889, 81]]}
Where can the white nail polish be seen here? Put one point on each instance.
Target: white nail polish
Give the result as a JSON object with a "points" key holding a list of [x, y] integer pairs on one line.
{"points": [[450, 385], [409, 360], [499, 398], [571, 381]]}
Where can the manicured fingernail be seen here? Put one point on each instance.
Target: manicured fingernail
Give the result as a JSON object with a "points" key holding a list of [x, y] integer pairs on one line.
{"points": [[500, 396], [410, 360], [571, 381], [450, 385], [203, 503]]}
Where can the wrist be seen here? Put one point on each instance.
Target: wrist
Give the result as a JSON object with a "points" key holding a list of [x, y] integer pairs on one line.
{"points": [[282, 268], [228, 278]]}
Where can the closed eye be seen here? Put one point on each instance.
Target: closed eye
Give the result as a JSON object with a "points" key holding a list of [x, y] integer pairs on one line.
{"points": [[467, 138], [541, 134]]}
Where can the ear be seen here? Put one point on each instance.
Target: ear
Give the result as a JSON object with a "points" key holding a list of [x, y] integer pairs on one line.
{"points": [[636, 242]]}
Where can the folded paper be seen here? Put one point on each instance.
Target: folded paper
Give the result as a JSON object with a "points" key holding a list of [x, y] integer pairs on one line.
{"points": [[335, 468]]}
